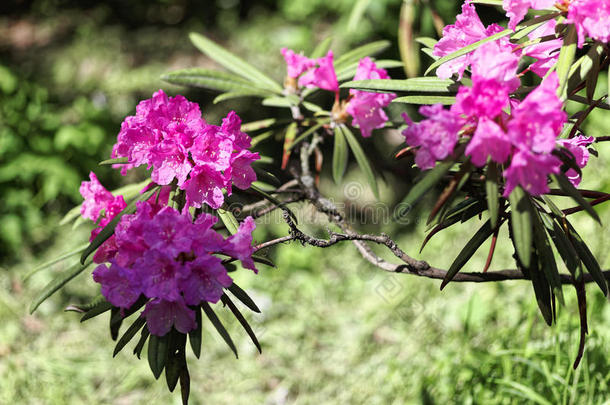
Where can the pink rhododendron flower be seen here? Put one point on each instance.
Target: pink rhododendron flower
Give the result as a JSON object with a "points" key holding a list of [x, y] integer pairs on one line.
{"points": [[489, 140], [530, 171], [537, 121], [497, 61], [322, 75], [517, 9], [366, 108], [170, 260], [592, 18], [296, 64], [467, 30], [486, 98], [545, 53], [97, 198], [577, 146], [435, 136]]}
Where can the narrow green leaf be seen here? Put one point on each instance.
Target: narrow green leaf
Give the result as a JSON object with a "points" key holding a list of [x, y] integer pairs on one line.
{"points": [[157, 353], [143, 337], [241, 295], [471, 247], [491, 193], [308, 132], [430, 179], [56, 260], [195, 334], [340, 155], [115, 161], [521, 223], [427, 41], [231, 95], [569, 189], [176, 359], [98, 309], [219, 326], [129, 334], [581, 69], [322, 48], [425, 100], [108, 230], [565, 60], [547, 258], [229, 220], [227, 301], [542, 292], [565, 249], [361, 159], [233, 62], [588, 259], [116, 320], [360, 52], [58, 282], [592, 77], [416, 84], [86, 307], [257, 125]]}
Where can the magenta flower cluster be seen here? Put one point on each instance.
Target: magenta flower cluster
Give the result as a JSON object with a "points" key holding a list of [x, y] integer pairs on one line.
{"points": [[169, 135], [100, 206], [365, 108], [164, 256]]}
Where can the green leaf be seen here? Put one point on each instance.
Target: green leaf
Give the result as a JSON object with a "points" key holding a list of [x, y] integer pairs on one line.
{"points": [[340, 155], [592, 77], [176, 359], [308, 132], [425, 100], [361, 159], [566, 250], [238, 94], [349, 71], [86, 307], [427, 41], [215, 80], [157, 352], [360, 52], [355, 16], [407, 46], [322, 48], [143, 337], [567, 187], [547, 258], [58, 282], [521, 222], [233, 62], [565, 60], [195, 334], [219, 326], [129, 334], [115, 161], [257, 125], [542, 292], [108, 230], [116, 320], [227, 301], [588, 259], [287, 103], [471, 247], [241, 295], [491, 193], [417, 84], [430, 179], [98, 309], [229, 220], [58, 259], [581, 69]]}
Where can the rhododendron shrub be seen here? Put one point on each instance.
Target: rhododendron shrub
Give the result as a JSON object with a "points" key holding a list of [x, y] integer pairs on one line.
{"points": [[488, 130]]}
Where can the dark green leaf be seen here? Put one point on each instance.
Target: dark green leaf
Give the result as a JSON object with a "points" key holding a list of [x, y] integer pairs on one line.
{"points": [[157, 353], [588, 259], [471, 247], [58, 282], [176, 359], [521, 223], [227, 301], [547, 258], [361, 159], [340, 155], [241, 295], [195, 334], [233, 63], [569, 189], [86, 307], [108, 230], [263, 260], [129, 334], [565, 249], [491, 193], [542, 292], [98, 309], [581, 69], [143, 337], [219, 326], [116, 320]]}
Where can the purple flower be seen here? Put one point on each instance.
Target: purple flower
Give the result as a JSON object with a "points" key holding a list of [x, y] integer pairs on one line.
{"points": [[162, 315], [538, 119], [435, 137], [239, 245], [517, 9], [322, 75], [97, 198], [467, 30], [530, 171], [366, 108], [119, 286], [205, 186], [489, 140], [486, 98], [206, 280], [592, 18], [497, 61], [577, 146], [242, 173], [296, 64], [546, 53]]}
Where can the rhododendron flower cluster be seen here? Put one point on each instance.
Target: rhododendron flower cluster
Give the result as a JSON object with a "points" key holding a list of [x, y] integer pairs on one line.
{"points": [[169, 135], [577, 146], [318, 72], [366, 107], [527, 135], [592, 18], [169, 259], [516, 9]]}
